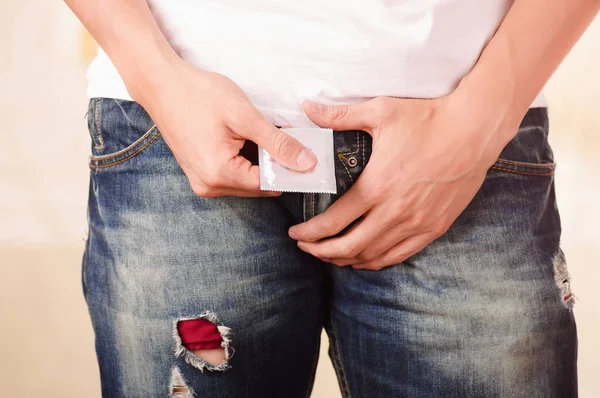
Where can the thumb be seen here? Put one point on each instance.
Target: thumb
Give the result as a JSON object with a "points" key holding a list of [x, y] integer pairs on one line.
{"points": [[285, 149], [338, 117]]}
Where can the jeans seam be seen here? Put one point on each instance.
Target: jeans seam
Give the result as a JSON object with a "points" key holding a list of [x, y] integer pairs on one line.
{"points": [[337, 363], [100, 145], [304, 195], [314, 368], [548, 166], [363, 149], [522, 172]]}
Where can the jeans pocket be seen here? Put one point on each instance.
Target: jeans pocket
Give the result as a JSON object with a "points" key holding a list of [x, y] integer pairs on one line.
{"points": [[526, 168], [529, 152], [119, 129]]}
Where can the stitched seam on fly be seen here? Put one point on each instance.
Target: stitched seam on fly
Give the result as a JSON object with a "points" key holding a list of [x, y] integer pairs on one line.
{"points": [[101, 166], [304, 195], [363, 150], [522, 172], [313, 204], [128, 148], [548, 166]]}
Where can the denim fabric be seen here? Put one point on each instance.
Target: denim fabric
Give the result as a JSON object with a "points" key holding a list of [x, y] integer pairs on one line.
{"points": [[483, 311]]}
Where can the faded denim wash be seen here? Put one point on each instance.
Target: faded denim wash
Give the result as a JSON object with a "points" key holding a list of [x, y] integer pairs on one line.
{"points": [[483, 311]]}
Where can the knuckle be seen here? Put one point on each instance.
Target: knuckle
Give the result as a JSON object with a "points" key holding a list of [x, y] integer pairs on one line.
{"points": [[396, 216], [382, 107], [202, 190], [368, 255], [338, 112], [440, 229], [213, 177], [338, 262], [349, 250], [418, 219], [331, 226], [211, 180], [375, 193]]}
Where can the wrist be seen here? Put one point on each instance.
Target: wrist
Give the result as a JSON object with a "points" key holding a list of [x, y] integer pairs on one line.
{"points": [[490, 100], [145, 79]]}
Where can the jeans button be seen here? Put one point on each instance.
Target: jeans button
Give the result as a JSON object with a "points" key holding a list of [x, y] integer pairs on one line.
{"points": [[352, 161]]}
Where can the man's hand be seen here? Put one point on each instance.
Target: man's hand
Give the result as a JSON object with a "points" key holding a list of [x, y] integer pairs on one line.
{"points": [[429, 159], [205, 118]]}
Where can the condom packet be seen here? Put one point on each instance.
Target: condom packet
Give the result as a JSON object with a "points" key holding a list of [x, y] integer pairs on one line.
{"points": [[275, 177]]}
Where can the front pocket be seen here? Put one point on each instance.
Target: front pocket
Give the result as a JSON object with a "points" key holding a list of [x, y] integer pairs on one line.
{"points": [[120, 130], [127, 153], [538, 169], [529, 152]]}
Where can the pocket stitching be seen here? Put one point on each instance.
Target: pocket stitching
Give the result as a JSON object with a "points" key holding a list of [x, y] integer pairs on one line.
{"points": [[549, 165], [522, 172], [132, 147], [524, 168]]}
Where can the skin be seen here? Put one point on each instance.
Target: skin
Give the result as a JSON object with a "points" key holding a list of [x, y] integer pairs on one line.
{"points": [[403, 201], [204, 117], [430, 157]]}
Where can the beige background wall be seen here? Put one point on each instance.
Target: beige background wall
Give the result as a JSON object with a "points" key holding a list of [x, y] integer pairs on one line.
{"points": [[46, 345]]}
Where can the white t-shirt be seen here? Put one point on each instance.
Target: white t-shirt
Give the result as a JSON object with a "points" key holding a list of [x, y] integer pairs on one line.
{"points": [[335, 52]]}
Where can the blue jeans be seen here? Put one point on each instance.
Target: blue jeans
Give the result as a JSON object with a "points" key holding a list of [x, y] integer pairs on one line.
{"points": [[483, 311]]}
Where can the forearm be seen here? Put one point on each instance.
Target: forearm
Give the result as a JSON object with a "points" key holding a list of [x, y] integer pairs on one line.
{"points": [[128, 32], [533, 39]]}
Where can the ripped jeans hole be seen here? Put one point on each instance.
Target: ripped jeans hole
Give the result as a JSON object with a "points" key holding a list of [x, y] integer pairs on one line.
{"points": [[203, 342], [177, 386], [563, 280]]}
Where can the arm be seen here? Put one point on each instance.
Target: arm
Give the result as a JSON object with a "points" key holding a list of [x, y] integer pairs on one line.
{"points": [[204, 117], [408, 201], [128, 33], [532, 41]]}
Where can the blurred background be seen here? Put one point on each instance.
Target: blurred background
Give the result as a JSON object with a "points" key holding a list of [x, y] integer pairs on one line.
{"points": [[47, 346]]}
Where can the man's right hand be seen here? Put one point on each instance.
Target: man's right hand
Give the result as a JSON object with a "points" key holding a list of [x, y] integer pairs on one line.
{"points": [[205, 118]]}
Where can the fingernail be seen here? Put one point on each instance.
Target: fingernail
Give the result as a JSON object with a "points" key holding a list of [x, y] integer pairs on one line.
{"points": [[358, 266], [313, 106], [306, 159], [293, 235]]}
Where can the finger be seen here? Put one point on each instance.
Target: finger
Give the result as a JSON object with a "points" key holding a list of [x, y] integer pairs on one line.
{"points": [[340, 117], [398, 253], [349, 246], [245, 194], [237, 178], [285, 149], [208, 192], [380, 244], [338, 216]]}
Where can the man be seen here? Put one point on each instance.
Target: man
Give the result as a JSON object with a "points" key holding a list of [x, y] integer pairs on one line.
{"points": [[436, 269]]}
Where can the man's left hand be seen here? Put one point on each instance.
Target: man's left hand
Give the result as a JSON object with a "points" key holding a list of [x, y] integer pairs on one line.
{"points": [[429, 159]]}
